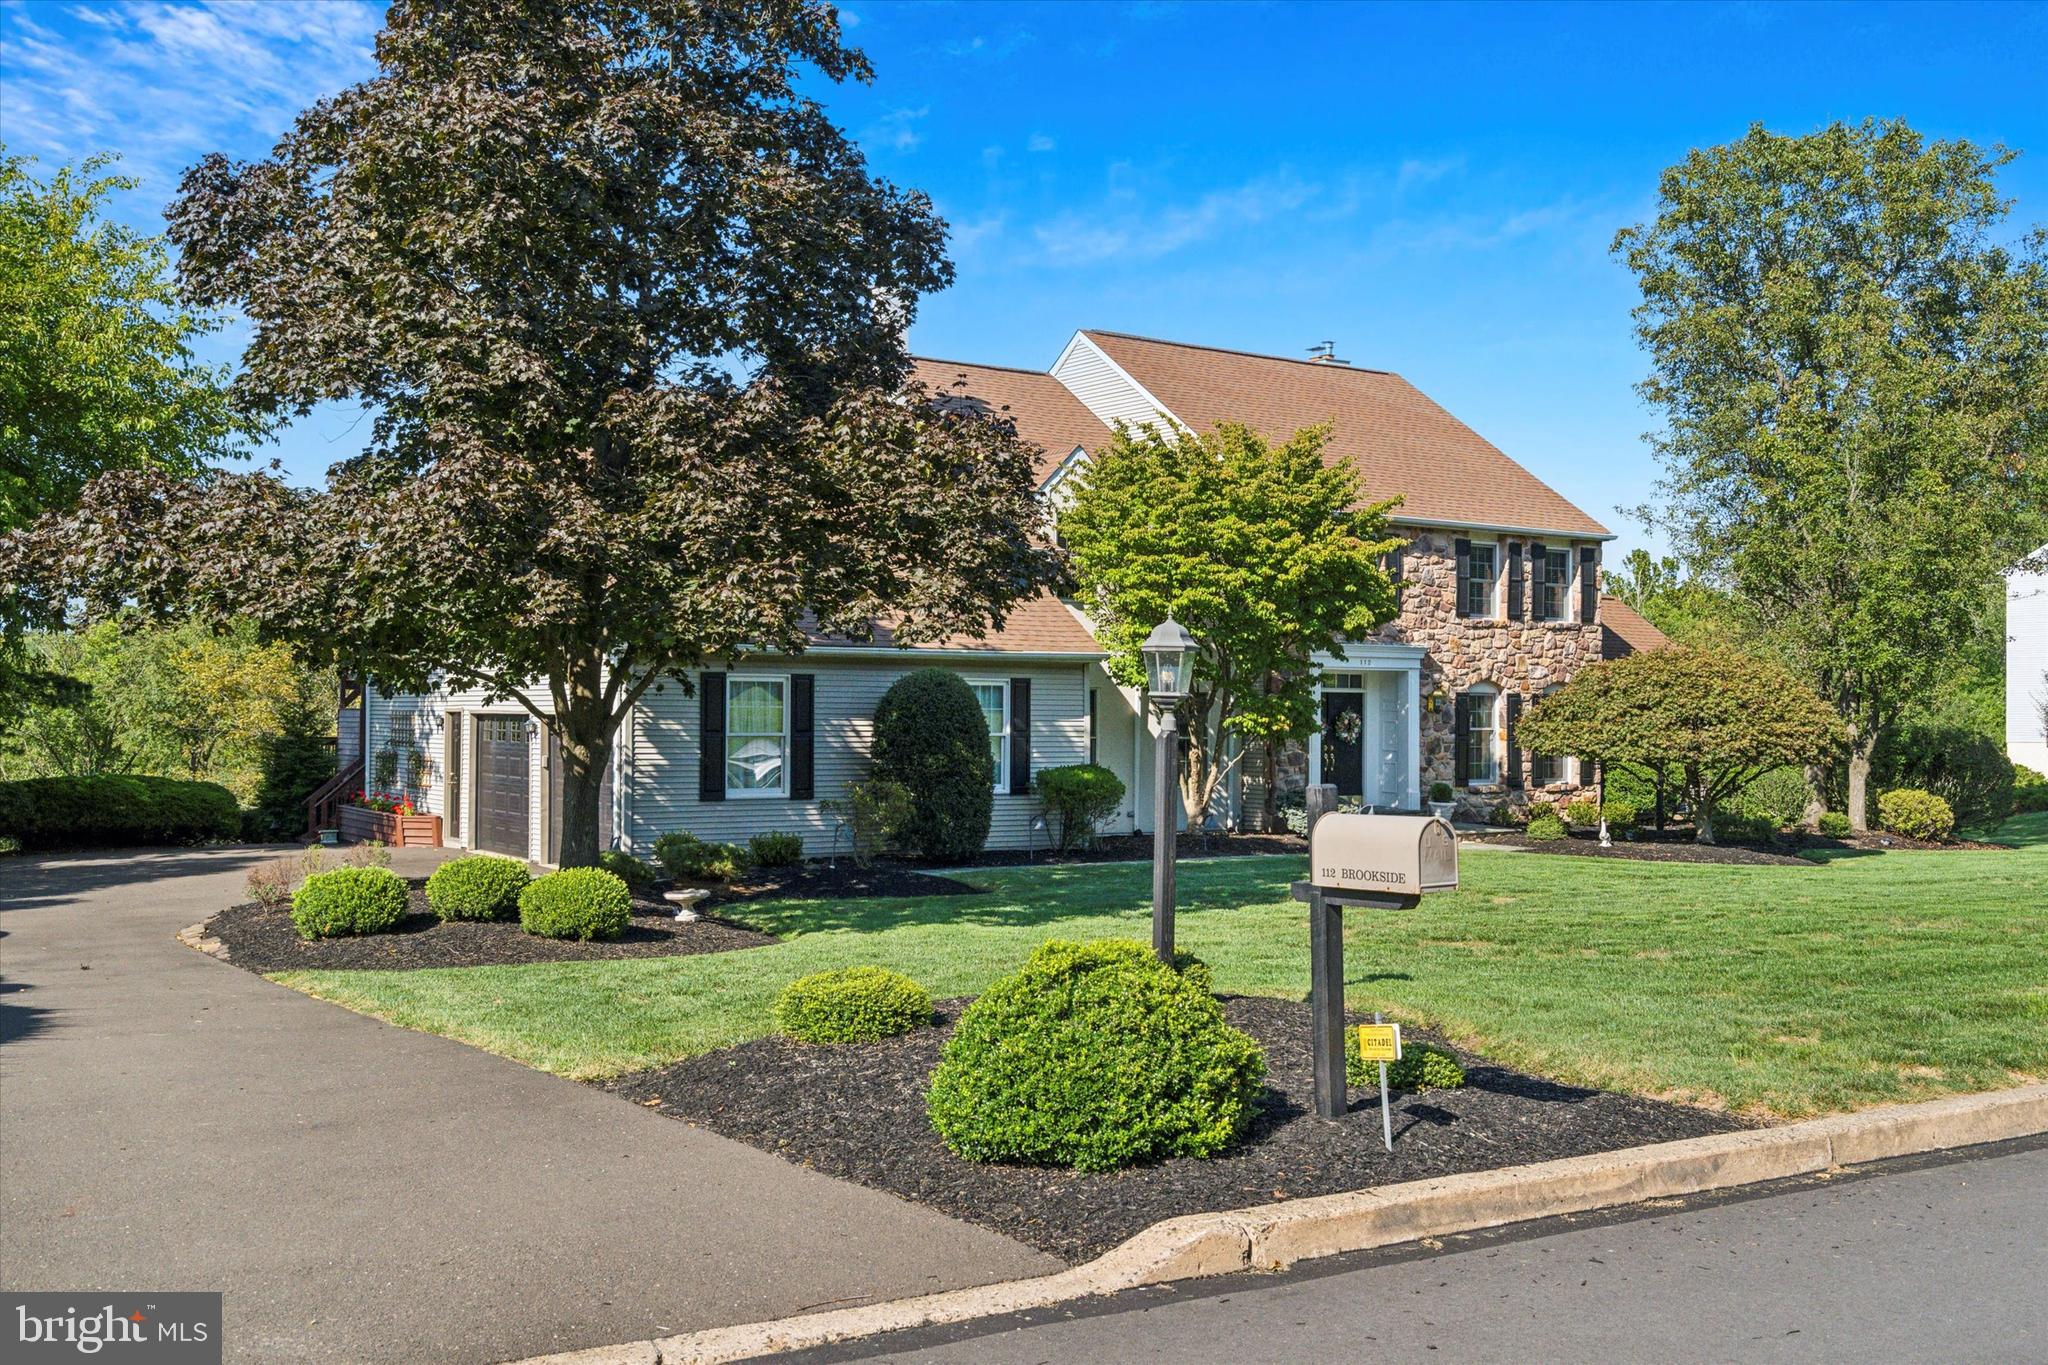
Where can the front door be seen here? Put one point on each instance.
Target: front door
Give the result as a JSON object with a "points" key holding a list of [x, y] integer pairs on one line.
{"points": [[503, 769], [1344, 742]]}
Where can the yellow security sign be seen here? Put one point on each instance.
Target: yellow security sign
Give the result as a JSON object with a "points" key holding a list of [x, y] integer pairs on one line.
{"points": [[1379, 1042]]}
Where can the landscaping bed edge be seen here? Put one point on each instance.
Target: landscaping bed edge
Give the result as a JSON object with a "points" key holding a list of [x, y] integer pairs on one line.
{"points": [[1273, 1236]]}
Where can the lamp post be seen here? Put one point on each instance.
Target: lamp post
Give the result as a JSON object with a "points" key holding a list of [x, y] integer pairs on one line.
{"points": [[1169, 653]]}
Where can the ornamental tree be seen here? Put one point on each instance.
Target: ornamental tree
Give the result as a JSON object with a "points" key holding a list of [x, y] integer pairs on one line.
{"points": [[629, 310], [1852, 366], [1260, 550], [1718, 719]]}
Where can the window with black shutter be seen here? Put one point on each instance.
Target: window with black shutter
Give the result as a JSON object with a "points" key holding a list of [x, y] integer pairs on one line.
{"points": [[1020, 736], [1517, 584], [711, 737], [1589, 584], [1461, 740], [1463, 548], [803, 748], [1514, 755]]}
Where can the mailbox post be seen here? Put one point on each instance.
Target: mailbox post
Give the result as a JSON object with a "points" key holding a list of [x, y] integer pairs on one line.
{"points": [[1384, 862]]}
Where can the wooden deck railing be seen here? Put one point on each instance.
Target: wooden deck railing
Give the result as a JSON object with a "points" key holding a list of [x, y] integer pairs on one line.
{"points": [[322, 806]]}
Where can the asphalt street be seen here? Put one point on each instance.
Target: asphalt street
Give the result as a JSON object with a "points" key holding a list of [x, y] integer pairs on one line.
{"points": [[1928, 1259]]}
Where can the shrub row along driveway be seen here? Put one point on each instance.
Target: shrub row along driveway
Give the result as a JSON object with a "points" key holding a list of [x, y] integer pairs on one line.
{"points": [[1781, 991], [364, 1193]]}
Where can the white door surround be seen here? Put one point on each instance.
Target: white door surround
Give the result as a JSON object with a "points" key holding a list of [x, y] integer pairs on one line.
{"points": [[1390, 678]]}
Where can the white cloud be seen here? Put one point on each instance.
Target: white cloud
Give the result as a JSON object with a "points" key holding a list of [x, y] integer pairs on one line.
{"points": [[896, 129], [1040, 142], [1125, 228], [848, 19], [163, 84]]}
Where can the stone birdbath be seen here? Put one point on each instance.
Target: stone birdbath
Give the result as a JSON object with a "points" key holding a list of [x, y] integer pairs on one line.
{"points": [[685, 901]]}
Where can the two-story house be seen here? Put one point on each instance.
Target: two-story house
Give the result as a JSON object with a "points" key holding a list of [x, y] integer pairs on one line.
{"points": [[1502, 603]]}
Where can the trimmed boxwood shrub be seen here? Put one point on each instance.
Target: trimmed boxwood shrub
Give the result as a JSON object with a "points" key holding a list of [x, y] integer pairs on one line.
{"points": [[1076, 797], [1834, 824], [1915, 814], [930, 736], [687, 858], [1095, 1055], [1583, 811], [348, 900], [1422, 1067], [851, 1005], [102, 812], [577, 902], [636, 874], [477, 887], [775, 849], [1546, 827]]}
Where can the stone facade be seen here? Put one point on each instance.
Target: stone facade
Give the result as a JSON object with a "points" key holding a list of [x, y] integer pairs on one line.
{"points": [[1524, 657]]}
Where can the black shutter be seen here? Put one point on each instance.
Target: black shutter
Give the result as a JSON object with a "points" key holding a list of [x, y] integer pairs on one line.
{"points": [[1514, 755], [711, 737], [1589, 583], [1461, 737], [1394, 558], [1516, 584], [1020, 736], [1539, 577], [1091, 724], [1464, 551], [803, 748]]}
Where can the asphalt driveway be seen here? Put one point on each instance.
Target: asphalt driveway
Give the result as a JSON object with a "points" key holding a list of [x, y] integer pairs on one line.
{"points": [[360, 1192]]}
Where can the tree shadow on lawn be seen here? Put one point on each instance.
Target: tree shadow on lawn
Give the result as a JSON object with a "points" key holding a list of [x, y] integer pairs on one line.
{"points": [[1020, 897]]}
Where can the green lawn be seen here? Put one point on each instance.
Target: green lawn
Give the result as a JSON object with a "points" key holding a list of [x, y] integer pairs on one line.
{"points": [[1774, 990]]}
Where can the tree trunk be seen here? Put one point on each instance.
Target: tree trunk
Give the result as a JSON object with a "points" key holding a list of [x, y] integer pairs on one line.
{"points": [[1198, 770], [1702, 800], [584, 725], [1861, 744], [1816, 803]]}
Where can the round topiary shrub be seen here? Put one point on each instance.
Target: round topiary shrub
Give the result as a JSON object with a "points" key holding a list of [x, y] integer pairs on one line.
{"points": [[1834, 824], [1545, 827], [348, 900], [1915, 814], [477, 887], [851, 1005], [577, 902], [931, 737], [1422, 1067], [1094, 1056]]}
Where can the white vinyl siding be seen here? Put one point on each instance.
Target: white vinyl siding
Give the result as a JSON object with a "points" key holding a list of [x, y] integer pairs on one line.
{"points": [[1104, 389], [660, 780], [422, 718]]}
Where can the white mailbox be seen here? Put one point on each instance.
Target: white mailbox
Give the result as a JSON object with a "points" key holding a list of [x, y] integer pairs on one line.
{"points": [[1389, 855]]}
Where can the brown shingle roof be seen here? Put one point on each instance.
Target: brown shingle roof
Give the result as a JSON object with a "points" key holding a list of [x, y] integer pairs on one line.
{"points": [[1038, 625], [1624, 631], [1046, 413], [1400, 442]]}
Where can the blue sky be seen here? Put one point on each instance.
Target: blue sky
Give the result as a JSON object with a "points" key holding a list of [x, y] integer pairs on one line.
{"points": [[1434, 189]]}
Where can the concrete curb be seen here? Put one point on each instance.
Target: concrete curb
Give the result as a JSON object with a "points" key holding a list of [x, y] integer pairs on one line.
{"points": [[1273, 1236]]}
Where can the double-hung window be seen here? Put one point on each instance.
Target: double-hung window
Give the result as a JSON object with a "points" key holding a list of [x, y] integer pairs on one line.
{"points": [[1478, 745], [995, 709], [1554, 585], [1476, 592], [1548, 769], [756, 736]]}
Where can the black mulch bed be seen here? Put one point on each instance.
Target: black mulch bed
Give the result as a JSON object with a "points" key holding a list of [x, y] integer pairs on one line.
{"points": [[265, 941], [1120, 848], [1645, 850], [858, 1112], [838, 879]]}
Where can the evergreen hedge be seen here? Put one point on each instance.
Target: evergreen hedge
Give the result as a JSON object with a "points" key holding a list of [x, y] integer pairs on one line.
{"points": [[104, 812]]}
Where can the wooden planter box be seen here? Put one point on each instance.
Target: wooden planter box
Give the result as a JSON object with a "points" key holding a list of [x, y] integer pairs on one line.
{"points": [[359, 823]]}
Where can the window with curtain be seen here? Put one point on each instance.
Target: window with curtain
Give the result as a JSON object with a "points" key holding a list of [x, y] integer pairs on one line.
{"points": [[756, 736], [995, 709]]}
